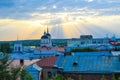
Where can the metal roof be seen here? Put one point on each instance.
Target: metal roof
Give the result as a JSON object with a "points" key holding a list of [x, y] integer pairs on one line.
{"points": [[25, 56], [89, 64], [46, 52], [34, 70], [91, 53], [33, 67]]}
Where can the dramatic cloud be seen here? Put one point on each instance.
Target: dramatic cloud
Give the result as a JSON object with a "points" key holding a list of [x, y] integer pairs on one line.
{"points": [[90, 0], [64, 18]]}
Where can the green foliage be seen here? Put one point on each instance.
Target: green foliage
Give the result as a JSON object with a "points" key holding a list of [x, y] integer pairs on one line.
{"points": [[113, 77], [103, 78], [67, 53], [58, 77], [119, 78], [5, 47], [70, 78], [29, 77], [4, 72], [12, 73], [25, 75], [80, 77], [21, 73], [83, 50], [46, 79]]}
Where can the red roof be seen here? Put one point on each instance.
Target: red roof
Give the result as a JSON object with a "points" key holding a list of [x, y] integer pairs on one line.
{"points": [[47, 62]]}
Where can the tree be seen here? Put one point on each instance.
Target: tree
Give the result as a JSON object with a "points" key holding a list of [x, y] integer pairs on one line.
{"points": [[80, 77], [70, 78], [119, 78], [4, 72], [5, 47], [12, 73], [58, 77], [83, 50], [24, 75], [113, 77], [103, 78]]}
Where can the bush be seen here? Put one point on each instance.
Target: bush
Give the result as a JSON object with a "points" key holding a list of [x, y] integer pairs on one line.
{"points": [[83, 50]]}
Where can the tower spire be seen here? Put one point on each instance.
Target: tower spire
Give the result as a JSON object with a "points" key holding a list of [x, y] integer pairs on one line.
{"points": [[47, 30], [17, 37], [44, 32]]}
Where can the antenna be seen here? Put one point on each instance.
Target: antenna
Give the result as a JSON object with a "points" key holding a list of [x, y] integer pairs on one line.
{"points": [[47, 30], [17, 37], [44, 32]]}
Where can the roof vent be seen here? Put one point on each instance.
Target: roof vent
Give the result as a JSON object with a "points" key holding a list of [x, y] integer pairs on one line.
{"points": [[75, 63]]}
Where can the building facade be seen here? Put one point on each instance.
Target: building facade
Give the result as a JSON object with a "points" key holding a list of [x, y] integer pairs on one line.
{"points": [[46, 40], [87, 41], [18, 46]]}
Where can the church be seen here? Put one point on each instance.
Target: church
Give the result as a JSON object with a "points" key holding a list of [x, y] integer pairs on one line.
{"points": [[46, 39]]}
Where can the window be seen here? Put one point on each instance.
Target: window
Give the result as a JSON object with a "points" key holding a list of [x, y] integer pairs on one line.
{"points": [[78, 46], [75, 64], [18, 48], [94, 42], [82, 43], [49, 74]]}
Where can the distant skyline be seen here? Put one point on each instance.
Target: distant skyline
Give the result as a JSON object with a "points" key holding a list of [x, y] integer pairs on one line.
{"points": [[64, 18]]}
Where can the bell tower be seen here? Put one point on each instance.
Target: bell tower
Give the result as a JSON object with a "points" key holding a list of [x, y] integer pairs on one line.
{"points": [[18, 46]]}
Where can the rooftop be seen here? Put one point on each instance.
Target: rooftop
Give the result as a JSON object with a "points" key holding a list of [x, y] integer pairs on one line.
{"points": [[47, 62], [25, 56], [92, 53], [60, 49], [89, 64], [34, 70]]}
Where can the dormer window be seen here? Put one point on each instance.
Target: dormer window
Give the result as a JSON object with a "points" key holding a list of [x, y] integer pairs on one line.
{"points": [[75, 63]]}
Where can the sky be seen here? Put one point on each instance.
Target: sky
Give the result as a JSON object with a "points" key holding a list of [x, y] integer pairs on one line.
{"points": [[28, 19]]}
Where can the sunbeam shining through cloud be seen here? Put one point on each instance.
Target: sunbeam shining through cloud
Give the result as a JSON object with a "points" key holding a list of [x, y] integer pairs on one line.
{"points": [[64, 18]]}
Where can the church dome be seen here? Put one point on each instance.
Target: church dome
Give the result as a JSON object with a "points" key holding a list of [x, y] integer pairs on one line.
{"points": [[48, 34], [44, 37]]}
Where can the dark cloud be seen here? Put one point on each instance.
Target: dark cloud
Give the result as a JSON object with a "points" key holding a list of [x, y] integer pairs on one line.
{"points": [[20, 9]]}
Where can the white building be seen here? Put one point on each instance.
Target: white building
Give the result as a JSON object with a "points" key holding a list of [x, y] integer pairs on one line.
{"points": [[46, 40], [86, 41], [18, 46]]}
